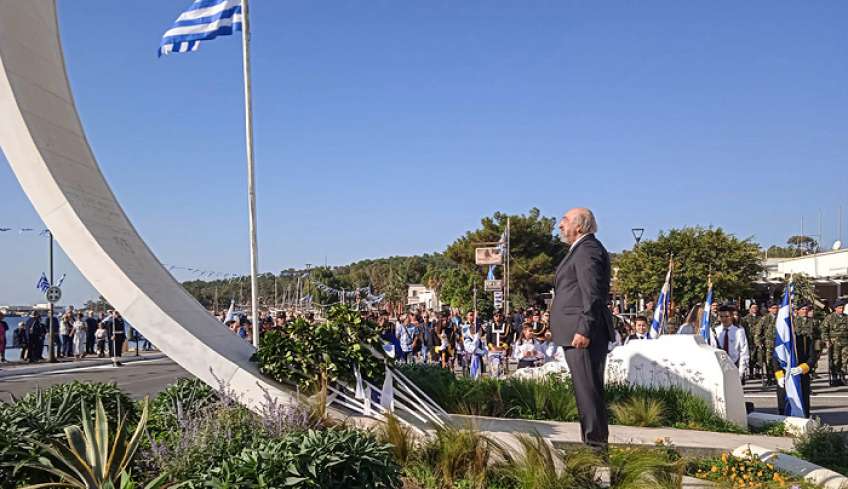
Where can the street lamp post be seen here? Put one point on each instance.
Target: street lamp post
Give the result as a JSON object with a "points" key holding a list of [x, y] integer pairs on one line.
{"points": [[637, 234], [51, 355]]}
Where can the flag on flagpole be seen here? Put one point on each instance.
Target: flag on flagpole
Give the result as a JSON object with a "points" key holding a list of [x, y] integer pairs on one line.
{"points": [[61, 279], [42, 284], [784, 353], [706, 331], [204, 20], [660, 319]]}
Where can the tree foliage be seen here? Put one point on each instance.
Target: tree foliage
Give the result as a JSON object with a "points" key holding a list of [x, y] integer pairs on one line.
{"points": [[735, 265]]}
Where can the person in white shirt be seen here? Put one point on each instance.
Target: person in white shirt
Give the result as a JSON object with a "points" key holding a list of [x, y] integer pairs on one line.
{"points": [[731, 339], [528, 350]]}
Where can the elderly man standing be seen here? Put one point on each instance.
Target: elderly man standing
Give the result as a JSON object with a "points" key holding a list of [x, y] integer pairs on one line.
{"points": [[581, 322]]}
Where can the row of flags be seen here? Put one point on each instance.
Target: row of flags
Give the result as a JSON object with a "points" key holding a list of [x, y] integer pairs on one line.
{"points": [[784, 342]]}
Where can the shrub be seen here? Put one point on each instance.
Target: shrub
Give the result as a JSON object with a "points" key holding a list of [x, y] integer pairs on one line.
{"points": [[461, 455], [639, 411], [331, 459], [747, 471], [400, 438], [302, 353], [539, 466], [180, 400], [825, 447], [644, 467], [55, 407]]}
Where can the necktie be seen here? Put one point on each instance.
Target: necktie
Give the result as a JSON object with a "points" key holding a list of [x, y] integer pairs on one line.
{"points": [[726, 343]]}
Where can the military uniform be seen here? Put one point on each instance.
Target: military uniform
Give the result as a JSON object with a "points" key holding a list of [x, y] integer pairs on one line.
{"points": [[833, 326], [749, 323], [764, 339], [807, 326]]}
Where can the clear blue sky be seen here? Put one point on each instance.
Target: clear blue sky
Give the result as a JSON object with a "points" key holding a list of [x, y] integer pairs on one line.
{"points": [[390, 128]]}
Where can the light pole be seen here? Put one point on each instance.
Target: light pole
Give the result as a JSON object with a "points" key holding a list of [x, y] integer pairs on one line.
{"points": [[51, 356], [637, 234]]}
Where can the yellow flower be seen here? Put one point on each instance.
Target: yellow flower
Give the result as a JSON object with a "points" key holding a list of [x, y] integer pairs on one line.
{"points": [[714, 469], [724, 457]]}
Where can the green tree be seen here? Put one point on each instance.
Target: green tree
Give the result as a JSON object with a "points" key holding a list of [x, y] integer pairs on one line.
{"points": [[534, 252], [735, 265], [804, 244], [775, 251]]}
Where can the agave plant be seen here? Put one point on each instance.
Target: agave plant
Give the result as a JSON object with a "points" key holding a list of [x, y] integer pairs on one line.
{"points": [[90, 460]]}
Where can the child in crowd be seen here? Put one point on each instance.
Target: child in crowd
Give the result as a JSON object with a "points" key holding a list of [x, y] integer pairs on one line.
{"points": [[100, 337], [528, 349]]}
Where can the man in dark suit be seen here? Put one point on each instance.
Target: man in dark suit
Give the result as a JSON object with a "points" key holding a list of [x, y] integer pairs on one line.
{"points": [[581, 322]]}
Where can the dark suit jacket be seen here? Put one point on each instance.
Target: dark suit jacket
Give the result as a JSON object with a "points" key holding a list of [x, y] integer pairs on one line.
{"points": [[582, 293]]}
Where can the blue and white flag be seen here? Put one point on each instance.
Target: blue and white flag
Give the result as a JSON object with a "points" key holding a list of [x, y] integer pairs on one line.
{"points": [[784, 353], [706, 331], [42, 284], [204, 20], [61, 279], [661, 311]]}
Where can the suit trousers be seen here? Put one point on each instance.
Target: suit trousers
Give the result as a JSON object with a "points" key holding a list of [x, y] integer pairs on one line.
{"points": [[587, 374]]}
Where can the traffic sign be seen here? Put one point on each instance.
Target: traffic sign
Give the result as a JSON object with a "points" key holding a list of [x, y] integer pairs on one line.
{"points": [[53, 294], [493, 285]]}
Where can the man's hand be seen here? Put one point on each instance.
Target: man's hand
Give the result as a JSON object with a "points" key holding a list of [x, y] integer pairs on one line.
{"points": [[580, 341], [796, 371], [781, 382]]}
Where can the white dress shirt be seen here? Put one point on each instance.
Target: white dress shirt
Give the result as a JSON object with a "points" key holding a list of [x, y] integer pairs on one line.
{"points": [[737, 345]]}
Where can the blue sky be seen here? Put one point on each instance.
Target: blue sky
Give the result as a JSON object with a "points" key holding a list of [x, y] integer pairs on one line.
{"points": [[390, 128]]}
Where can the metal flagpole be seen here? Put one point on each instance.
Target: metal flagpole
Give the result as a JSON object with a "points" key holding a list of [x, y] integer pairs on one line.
{"points": [[506, 272], [251, 190]]}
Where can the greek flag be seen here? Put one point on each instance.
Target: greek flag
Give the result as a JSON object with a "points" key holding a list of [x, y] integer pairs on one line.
{"points": [[61, 279], [706, 330], [42, 284], [204, 20], [661, 312], [784, 353]]}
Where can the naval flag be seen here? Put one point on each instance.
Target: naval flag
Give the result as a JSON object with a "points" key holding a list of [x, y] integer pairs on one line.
{"points": [[204, 20], [784, 353]]}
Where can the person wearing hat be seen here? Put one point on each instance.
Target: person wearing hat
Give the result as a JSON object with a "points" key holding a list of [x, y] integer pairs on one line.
{"points": [[749, 322], [764, 338], [806, 356], [731, 338], [835, 325], [805, 324]]}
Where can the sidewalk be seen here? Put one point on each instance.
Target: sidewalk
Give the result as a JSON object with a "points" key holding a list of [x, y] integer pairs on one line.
{"points": [[15, 369]]}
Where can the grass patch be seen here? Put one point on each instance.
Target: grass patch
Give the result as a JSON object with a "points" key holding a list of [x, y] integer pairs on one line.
{"points": [[553, 399]]}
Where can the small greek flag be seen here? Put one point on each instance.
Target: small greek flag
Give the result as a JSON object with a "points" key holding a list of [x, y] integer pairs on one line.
{"points": [[204, 20], [61, 279], [706, 331], [784, 353], [42, 284], [661, 312]]}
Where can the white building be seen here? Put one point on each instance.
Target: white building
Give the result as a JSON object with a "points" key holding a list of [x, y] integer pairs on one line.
{"points": [[418, 295], [827, 270]]}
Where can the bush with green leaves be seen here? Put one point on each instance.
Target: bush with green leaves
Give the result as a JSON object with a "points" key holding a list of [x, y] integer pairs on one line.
{"points": [[48, 411], [824, 446], [303, 352], [180, 400], [327, 459]]}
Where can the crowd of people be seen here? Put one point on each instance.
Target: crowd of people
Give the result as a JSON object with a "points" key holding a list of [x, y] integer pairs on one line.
{"points": [[76, 335]]}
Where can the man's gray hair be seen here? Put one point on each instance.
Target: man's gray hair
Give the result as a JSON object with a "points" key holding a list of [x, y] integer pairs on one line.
{"points": [[585, 220]]}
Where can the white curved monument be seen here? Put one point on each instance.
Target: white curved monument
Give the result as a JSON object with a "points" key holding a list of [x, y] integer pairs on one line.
{"points": [[42, 137], [686, 362]]}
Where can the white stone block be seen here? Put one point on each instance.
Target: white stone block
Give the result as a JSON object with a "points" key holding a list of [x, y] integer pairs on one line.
{"points": [[685, 362], [794, 425]]}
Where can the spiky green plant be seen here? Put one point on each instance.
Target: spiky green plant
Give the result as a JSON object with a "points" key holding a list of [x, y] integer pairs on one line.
{"points": [[639, 411], [462, 454], [400, 437], [540, 467], [90, 459], [644, 468]]}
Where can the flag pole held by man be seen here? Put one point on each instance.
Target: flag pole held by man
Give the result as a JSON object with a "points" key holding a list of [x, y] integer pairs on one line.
{"points": [[581, 322]]}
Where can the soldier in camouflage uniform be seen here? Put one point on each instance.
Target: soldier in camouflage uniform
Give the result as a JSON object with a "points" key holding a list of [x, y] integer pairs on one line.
{"points": [[764, 338], [806, 325], [834, 326], [749, 322]]}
